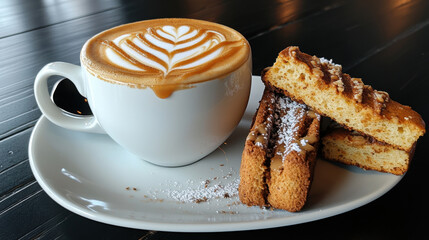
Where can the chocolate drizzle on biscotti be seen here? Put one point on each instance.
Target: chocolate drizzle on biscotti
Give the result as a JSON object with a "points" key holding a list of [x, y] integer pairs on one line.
{"points": [[321, 85], [332, 74], [284, 128]]}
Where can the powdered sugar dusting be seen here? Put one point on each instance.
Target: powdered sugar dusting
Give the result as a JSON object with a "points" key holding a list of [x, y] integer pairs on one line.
{"points": [[198, 191], [304, 142], [205, 192], [288, 124], [330, 61], [324, 60]]}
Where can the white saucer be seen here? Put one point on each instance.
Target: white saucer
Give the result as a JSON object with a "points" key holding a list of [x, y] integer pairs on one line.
{"points": [[92, 176]]}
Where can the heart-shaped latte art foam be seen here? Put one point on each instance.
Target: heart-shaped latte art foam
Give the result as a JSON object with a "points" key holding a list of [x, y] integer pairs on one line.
{"points": [[166, 49]]}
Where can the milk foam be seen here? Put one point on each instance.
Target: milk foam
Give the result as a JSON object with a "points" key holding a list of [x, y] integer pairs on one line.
{"points": [[174, 48], [165, 54]]}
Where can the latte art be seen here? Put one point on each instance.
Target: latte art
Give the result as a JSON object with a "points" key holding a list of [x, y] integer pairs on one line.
{"points": [[165, 54], [166, 49]]}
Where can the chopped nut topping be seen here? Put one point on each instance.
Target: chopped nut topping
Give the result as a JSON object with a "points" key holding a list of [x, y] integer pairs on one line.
{"points": [[336, 69], [379, 107], [381, 97], [340, 85], [318, 72], [314, 63], [357, 89]]}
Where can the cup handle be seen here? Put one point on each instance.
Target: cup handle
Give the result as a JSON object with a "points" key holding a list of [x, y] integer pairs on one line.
{"points": [[48, 107]]}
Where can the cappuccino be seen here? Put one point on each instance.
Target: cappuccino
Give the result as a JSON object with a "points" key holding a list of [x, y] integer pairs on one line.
{"points": [[129, 73], [165, 54]]}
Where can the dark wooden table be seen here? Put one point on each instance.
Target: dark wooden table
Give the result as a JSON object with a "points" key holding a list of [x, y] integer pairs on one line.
{"points": [[385, 42]]}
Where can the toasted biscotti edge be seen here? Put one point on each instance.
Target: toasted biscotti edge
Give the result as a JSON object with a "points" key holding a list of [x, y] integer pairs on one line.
{"points": [[252, 187], [305, 79], [347, 147], [253, 170], [289, 186]]}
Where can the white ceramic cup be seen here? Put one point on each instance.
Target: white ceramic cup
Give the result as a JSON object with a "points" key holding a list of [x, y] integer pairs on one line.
{"points": [[174, 131]]}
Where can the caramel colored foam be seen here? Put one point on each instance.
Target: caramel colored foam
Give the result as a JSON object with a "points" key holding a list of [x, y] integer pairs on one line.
{"points": [[165, 54]]}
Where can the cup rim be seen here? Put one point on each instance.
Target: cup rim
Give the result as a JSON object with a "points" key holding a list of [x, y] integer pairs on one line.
{"points": [[91, 65]]}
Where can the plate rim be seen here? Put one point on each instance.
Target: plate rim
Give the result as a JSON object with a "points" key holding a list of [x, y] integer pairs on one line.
{"points": [[193, 227]]}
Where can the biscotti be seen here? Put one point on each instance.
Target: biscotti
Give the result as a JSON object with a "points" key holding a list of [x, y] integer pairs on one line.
{"points": [[254, 162], [351, 148], [323, 86], [280, 153]]}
